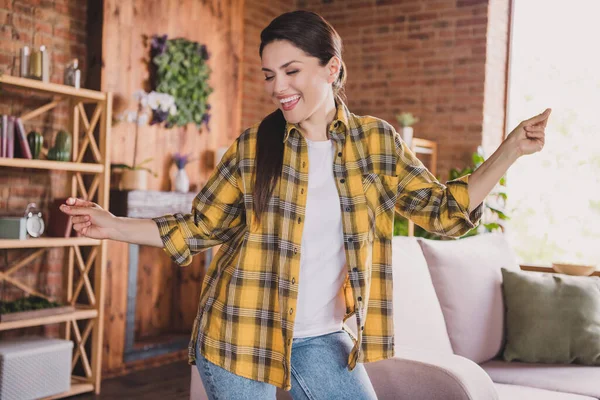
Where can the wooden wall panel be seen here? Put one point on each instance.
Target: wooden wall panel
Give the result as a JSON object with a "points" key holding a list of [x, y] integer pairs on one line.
{"points": [[127, 25]]}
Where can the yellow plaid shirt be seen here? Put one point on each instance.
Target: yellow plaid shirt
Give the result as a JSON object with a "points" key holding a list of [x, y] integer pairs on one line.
{"points": [[246, 314]]}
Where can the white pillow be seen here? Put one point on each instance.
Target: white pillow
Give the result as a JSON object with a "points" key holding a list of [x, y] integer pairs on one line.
{"points": [[418, 319], [468, 281]]}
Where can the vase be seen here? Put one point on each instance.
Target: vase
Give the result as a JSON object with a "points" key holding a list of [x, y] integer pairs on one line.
{"points": [[134, 179], [407, 134], [182, 182]]}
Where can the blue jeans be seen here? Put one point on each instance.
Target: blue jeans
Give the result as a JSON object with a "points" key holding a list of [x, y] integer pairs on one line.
{"points": [[319, 371]]}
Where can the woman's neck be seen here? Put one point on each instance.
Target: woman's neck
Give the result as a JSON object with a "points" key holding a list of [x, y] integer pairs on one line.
{"points": [[315, 127]]}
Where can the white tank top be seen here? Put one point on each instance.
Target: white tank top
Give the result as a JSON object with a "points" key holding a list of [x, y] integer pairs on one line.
{"points": [[321, 305]]}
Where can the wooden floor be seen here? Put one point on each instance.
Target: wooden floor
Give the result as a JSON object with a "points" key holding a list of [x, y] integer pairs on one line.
{"points": [[168, 382]]}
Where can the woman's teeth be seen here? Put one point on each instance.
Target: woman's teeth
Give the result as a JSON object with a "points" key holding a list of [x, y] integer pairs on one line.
{"points": [[289, 102]]}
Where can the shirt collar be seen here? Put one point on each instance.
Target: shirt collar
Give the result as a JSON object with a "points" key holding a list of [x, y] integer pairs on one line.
{"points": [[339, 123]]}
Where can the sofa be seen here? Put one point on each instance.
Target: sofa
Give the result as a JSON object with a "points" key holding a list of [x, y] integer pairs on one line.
{"points": [[450, 330]]}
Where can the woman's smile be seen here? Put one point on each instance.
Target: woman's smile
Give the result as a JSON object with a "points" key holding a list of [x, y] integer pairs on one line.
{"points": [[288, 103]]}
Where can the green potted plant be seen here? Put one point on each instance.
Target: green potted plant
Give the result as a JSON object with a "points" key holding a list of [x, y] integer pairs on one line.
{"points": [[493, 216], [28, 307], [406, 120]]}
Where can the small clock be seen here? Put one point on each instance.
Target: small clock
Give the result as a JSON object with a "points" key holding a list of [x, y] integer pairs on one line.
{"points": [[34, 223]]}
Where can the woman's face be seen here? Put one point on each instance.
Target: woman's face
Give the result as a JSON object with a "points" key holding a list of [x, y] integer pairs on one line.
{"points": [[295, 81]]}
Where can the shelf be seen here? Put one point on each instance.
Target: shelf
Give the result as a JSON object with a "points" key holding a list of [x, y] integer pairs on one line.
{"points": [[423, 150], [50, 319], [76, 388], [51, 165], [52, 88], [542, 268], [47, 242]]}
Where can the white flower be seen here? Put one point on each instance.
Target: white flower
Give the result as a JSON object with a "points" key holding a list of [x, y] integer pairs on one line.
{"points": [[167, 101], [131, 116], [139, 95], [142, 119], [154, 100], [173, 109]]}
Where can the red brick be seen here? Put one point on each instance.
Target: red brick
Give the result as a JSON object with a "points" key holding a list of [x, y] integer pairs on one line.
{"points": [[471, 21], [43, 26]]}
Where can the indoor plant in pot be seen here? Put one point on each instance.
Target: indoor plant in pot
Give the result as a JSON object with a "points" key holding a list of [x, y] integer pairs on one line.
{"points": [[406, 121], [181, 183], [134, 176]]}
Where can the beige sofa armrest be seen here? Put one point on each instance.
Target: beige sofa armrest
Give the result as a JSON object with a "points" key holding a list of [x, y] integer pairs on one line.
{"points": [[421, 375]]}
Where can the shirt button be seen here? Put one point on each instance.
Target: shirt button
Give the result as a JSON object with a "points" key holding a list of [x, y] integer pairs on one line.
{"points": [[340, 154], [342, 180], [350, 240], [302, 191], [291, 311], [295, 250], [303, 164], [293, 280], [354, 269], [299, 219], [359, 298], [347, 208], [362, 328]]}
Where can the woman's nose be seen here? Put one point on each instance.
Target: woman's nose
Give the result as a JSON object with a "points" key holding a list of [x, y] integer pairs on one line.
{"points": [[280, 85]]}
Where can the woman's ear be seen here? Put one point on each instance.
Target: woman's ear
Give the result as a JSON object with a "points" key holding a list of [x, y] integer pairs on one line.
{"points": [[333, 67]]}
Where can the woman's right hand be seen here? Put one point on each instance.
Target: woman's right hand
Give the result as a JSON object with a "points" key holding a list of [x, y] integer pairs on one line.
{"points": [[90, 219]]}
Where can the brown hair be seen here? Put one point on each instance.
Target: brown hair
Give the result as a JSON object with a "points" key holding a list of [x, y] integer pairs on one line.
{"points": [[316, 37]]}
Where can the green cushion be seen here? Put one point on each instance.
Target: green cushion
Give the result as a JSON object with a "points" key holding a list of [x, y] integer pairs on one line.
{"points": [[551, 318]]}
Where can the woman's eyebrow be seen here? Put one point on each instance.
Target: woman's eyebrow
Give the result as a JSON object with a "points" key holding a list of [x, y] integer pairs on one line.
{"points": [[283, 66]]}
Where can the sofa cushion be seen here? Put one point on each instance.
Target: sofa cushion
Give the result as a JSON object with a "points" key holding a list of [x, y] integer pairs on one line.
{"points": [[552, 318], [515, 392], [467, 279], [418, 318], [569, 378]]}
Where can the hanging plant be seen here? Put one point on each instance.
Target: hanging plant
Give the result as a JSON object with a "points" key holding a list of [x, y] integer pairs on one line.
{"points": [[181, 70]]}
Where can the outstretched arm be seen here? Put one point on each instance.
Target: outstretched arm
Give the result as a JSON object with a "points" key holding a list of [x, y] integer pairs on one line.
{"points": [[452, 209], [217, 215], [94, 222], [527, 138]]}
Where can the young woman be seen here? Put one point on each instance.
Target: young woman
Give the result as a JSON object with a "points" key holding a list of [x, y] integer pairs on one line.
{"points": [[303, 205]]}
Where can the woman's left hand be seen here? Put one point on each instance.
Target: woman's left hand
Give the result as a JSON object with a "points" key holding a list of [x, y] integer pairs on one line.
{"points": [[529, 136]]}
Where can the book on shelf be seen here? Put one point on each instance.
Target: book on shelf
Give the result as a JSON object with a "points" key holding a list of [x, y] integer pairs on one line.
{"points": [[10, 137], [3, 135], [7, 129], [22, 137]]}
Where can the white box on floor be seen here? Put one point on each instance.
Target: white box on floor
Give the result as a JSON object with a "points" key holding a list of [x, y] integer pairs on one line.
{"points": [[34, 367]]}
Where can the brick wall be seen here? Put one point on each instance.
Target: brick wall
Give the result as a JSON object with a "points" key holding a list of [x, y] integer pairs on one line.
{"points": [[443, 60], [60, 25], [257, 15]]}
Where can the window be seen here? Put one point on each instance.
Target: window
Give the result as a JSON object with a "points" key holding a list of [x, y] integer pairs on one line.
{"points": [[554, 196]]}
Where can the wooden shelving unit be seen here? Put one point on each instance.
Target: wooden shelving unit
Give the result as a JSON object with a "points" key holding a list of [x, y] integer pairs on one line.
{"points": [[47, 242], [54, 165], [91, 136], [52, 319], [423, 146]]}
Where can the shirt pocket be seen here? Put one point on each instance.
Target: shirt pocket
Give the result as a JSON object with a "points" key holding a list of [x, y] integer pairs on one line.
{"points": [[380, 193]]}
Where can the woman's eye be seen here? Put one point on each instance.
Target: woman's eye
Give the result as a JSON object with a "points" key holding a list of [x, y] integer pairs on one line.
{"points": [[268, 78]]}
